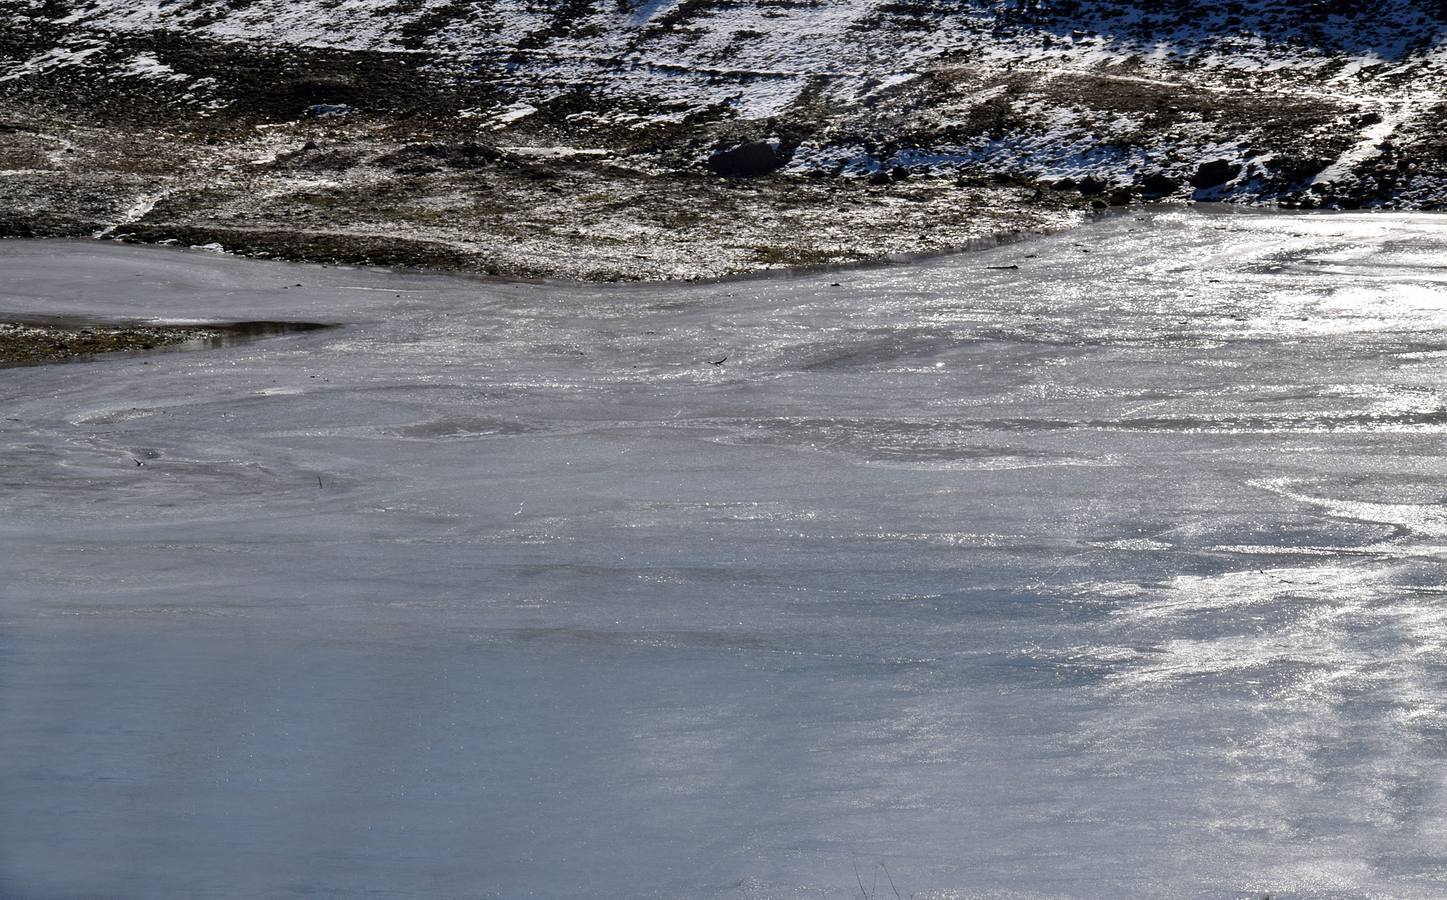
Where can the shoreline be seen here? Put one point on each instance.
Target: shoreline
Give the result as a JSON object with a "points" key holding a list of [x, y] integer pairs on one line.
{"points": [[973, 244], [762, 272], [29, 339]]}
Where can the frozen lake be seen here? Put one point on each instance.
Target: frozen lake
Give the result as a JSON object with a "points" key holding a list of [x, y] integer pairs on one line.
{"points": [[1116, 574]]}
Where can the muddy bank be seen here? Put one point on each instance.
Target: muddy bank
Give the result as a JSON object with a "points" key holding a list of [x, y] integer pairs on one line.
{"points": [[30, 342]]}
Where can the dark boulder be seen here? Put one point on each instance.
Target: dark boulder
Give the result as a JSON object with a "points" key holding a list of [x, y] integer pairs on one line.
{"points": [[747, 160], [1091, 186], [1215, 173], [1159, 184], [1066, 184]]}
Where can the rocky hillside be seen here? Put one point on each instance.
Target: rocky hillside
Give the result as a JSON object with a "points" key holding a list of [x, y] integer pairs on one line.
{"points": [[863, 127]]}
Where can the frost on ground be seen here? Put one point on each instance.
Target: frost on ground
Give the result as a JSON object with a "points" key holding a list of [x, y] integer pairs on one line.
{"points": [[374, 129], [1103, 565]]}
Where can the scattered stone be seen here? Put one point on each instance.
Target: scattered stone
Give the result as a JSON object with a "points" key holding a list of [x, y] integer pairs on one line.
{"points": [[429, 156], [1296, 170]]}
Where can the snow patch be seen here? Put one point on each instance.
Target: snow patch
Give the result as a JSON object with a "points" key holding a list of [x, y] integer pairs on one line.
{"points": [[146, 65]]}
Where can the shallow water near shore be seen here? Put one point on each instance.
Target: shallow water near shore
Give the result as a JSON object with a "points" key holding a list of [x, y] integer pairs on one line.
{"points": [[1116, 574]]}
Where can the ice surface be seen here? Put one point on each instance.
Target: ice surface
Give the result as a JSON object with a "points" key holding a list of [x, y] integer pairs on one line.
{"points": [[1116, 574]]}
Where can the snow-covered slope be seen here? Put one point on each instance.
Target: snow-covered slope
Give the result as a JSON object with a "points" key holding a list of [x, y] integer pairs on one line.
{"points": [[1287, 90], [1311, 104]]}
